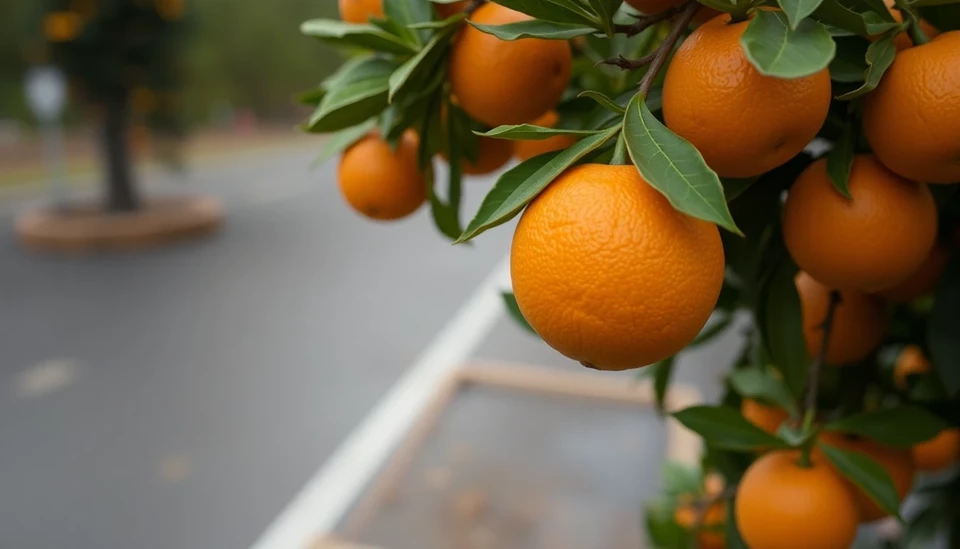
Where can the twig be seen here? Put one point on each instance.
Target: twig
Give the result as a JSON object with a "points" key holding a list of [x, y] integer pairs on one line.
{"points": [[644, 22], [473, 6], [813, 377], [627, 64], [663, 50]]}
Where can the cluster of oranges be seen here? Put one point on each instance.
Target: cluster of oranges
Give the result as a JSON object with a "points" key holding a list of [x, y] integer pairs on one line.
{"points": [[387, 185]]}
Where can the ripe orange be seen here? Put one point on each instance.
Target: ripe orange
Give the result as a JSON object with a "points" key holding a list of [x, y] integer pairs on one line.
{"points": [[781, 505], [360, 11], [711, 91], [711, 534], [768, 418], [859, 321], [492, 155], [903, 40], [499, 82], [609, 273], [449, 10], [897, 462], [924, 280], [526, 150], [874, 241], [911, 119], [911, 361], [939, 452], [380, 183]]}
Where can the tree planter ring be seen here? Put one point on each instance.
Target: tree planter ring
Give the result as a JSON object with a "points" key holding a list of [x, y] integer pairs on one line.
{"points": [[86, 228]]}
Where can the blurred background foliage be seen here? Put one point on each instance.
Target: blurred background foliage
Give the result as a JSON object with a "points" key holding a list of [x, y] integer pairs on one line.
{"points": [[237, 55]]}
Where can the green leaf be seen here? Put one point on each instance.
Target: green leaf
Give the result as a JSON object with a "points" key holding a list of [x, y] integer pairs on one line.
{"points": [[446, 216], [681, 479], [521, 184], [902, 426], [724, 427], [713, 330], [529, 132], [923, 528], [777, 50], [867, 475], [560, 11], [662, 528], [797, 10], [732, 532], [850, 63], [356, 35], [606, 10], [342, 139], [864, 23], [733, 187], [312, 97], [661, 380], [674, 167], [880, 56], [406, 13], [421, 66], [513, 308], [536, 28], [759, 382], [781, 323], [350, 104], [840, 160], [942, 332], [603, 100]]}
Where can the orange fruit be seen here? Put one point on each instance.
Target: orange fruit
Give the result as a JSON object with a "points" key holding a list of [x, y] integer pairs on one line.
{"points": [[897, 462], [911, 361], [858, 326], [711, 89], [500, 82], [526, 150], [874, 241], [912, 118], [449, 10], [924, 280], [768, 418], [492, 155], [609, 273], [939, 452], [781, 505], [381, 183], [903, 40], [711, 534], [360, 11]]}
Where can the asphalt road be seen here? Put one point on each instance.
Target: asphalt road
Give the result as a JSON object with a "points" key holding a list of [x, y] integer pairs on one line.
{"points": [[179, 398]]}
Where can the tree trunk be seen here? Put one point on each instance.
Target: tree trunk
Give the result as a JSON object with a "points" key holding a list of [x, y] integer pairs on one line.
{"points": [[121, 192]]}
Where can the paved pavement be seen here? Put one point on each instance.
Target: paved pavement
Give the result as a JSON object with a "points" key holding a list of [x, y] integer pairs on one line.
{"points": [[178, 399]]}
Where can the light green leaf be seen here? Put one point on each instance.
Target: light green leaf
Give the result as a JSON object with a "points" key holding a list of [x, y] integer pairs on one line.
{"points": [[880, 56], [606, 9], [342, 139], [674, 167], [840, 160], [536, 28], [421, 66], [520, 185], [603, 100], [777, 50], [723, 427], [797, 10], [867, 475], [350, 104], [530, 132], [356, 35]]}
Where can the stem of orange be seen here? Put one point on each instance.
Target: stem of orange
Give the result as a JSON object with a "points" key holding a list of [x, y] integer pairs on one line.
{"points": [[666, 47]]}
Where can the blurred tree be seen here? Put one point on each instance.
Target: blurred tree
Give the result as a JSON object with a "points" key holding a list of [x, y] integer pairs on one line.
{"points": [[120, 55]]}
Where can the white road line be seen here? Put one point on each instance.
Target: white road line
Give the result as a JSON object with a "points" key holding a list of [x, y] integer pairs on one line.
{"points": [[326, 497]]}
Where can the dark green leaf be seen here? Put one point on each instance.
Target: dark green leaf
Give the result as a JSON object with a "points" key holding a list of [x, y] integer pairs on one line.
{"points": [[713, 330], [662, 529], [760, 382], [880, 56], [674, 167], [922, 529], [342, 139], [311, 98], [781, 323], [733, 538], [797, 10], [560, 11], [942, 333], [606, 9], [513, 308], [603, 100], [777, 50], [421, 66], [732, 188], [529, 132], [902, 426], [356, 35], [536, 28], [864, 23], [406, 13], [350, 104], [520, 185], [661, 380], [867, 475], [724, 427], [840, 160]]}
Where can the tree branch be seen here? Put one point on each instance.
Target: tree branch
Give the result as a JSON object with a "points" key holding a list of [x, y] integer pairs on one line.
{"points": [[627, 64], [813, 376], [663, 50]]}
